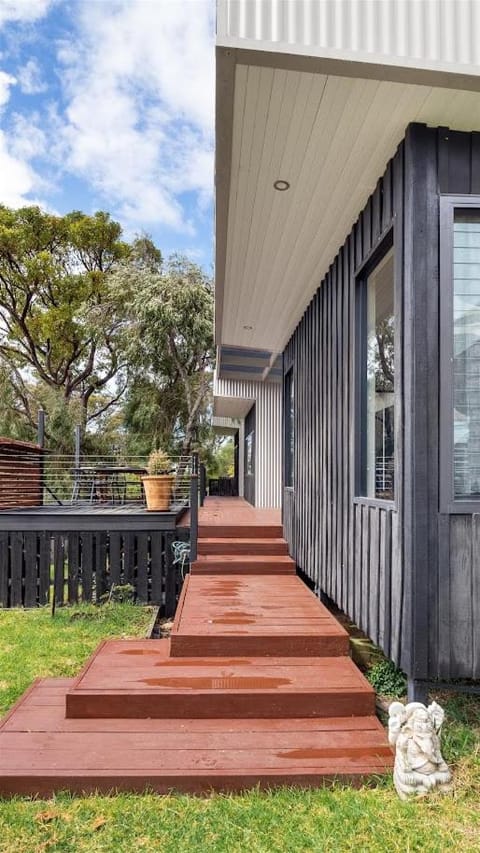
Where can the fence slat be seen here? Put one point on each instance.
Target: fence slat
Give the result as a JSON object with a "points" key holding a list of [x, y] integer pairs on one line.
{"points": [[73, 566], [87, 561], [170, 578], [102, 579], [142, 567], [31, 546], [157, 573], [16, 564], [44, 562], [4, 561], [115, 558], [59, 569]]}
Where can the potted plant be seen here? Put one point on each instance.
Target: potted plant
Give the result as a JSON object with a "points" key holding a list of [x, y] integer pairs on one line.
{"points": [[158, 482]]}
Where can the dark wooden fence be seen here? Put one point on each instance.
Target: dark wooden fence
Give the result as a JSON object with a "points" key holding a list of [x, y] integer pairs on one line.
{"points": [[81, 566]]}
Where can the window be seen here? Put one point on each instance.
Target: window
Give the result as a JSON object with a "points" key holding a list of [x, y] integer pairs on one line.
{"points": [[249, 453], [460, 352], [376, 380], [289, 407]]}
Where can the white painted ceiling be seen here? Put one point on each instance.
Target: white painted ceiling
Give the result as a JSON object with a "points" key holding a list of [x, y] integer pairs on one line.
{"points": [[231, 407], [331, 138]]}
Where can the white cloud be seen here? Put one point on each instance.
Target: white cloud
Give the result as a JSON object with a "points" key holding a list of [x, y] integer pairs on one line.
{"points": [[24, 11], [139, 121], [30, 78], [6, 80], [17, 179]]}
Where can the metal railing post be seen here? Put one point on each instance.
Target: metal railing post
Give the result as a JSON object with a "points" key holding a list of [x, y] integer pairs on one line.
{"points": [[203, 483], [41, 428], [194, 508]]}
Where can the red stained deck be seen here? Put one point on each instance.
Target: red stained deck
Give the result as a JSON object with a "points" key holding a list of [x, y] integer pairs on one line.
{"points": [[256, 687]]}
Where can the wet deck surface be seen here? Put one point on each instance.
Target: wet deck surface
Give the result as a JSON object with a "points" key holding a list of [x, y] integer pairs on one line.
{"points": [[255, 688]]}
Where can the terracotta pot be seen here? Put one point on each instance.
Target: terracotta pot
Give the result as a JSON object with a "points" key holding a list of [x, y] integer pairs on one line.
{"points": [[158, 491]]}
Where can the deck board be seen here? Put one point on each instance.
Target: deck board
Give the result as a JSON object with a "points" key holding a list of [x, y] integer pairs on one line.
{"points": [[255, 687], [41, 752]]}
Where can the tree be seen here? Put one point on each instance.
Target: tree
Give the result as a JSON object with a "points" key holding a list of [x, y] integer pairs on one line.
{"points": [[59, 321], [170, 348]]}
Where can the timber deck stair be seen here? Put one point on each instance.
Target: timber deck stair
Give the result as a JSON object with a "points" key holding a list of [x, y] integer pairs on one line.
{"points": [[255, 687], [245, 564]]}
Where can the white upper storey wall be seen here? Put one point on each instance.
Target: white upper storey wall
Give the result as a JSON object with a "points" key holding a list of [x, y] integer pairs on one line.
{"points": [[428, 34]]}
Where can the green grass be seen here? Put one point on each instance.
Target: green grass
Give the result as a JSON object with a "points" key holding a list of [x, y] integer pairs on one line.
{"points": [[33, 644], [335, 820]]}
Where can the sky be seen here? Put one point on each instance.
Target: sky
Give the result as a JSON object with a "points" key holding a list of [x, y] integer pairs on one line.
{"points": [[108, 105]]}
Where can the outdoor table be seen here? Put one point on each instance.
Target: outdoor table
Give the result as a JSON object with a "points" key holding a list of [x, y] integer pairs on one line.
{"points": [[113, 478]]}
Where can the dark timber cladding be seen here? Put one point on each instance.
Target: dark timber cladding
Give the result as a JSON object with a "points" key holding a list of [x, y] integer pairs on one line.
{"points": [[406, 574]]}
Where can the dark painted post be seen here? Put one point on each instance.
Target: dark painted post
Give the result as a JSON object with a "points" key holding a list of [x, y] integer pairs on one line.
{"points": [[41, 428], [203, 483], [194, 508], [41, 443]]}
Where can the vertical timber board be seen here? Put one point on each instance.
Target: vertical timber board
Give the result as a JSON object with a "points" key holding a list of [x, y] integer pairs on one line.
{"points": [[115, 557], [170, 577], [102, 579], [442, 649], [374, 574], [476, 595], [59, 567], [157, 567], [421, 522], [16, 570], [142, 567], [351, 578], [73, 551], [399, 641], [461, 614], [4, 568], [31, 546], [87, 565], [365, 515], [44, 562], [129, 558]]}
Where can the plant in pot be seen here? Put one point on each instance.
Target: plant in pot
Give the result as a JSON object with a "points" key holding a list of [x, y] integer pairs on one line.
{"points": [[158, 482]]}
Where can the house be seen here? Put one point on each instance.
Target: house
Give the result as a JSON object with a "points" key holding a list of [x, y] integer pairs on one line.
{"points": [[348, 304]]}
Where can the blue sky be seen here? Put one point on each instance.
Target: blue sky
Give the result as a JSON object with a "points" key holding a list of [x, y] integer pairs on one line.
{"points": [[108, 104]]}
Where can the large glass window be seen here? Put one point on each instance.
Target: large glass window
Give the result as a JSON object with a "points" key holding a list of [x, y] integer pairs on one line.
{"points": [[378, 382], [466, 353], [289, 427]]}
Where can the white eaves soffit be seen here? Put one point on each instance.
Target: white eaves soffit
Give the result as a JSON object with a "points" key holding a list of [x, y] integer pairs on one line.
{"points": [[330, 135]]}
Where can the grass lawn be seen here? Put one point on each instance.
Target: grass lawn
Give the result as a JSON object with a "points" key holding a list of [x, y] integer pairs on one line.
{"points": [[332, 820]]}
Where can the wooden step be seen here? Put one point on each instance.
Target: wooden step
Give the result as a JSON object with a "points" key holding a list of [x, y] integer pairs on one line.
{"points": [[246, 564], [254, 615], [42, 753], [255, 547], [240, 531], [132, 678]]}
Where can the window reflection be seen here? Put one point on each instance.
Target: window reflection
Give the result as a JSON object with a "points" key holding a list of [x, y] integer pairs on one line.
{"points": [[289, 427], [466, 350], [380, 384]]}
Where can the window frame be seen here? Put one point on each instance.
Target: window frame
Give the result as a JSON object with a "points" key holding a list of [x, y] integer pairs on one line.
{"points": [[289, 463], [360, 354], [449, 503]]}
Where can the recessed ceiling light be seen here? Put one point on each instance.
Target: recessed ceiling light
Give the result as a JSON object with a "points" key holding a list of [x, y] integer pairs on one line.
{"points": [[281, 186], [248, 328]]}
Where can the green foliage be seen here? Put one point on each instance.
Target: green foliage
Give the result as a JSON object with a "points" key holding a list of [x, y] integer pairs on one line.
{"points": [[59, 324], [221, 463], [387, 679], [169, 347], [159, 463]]}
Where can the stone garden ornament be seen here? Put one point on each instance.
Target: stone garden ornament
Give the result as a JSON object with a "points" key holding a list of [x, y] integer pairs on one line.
{"points": [[415, 731]]}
